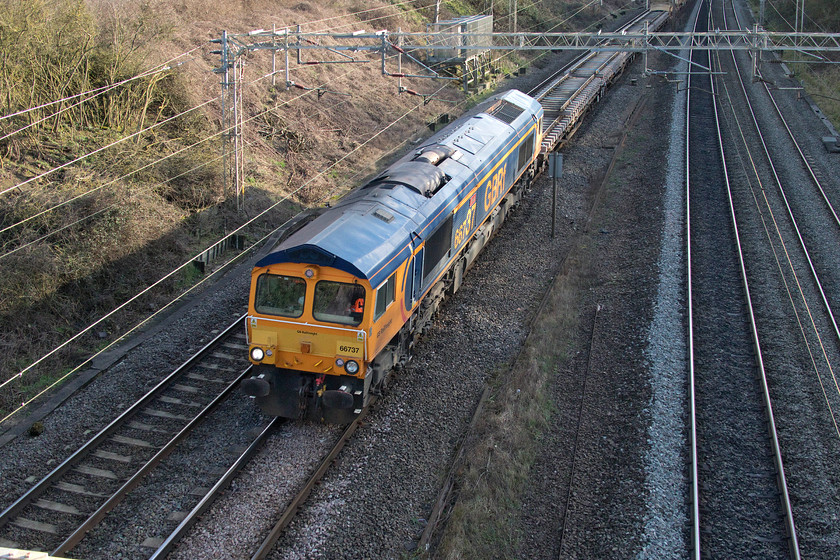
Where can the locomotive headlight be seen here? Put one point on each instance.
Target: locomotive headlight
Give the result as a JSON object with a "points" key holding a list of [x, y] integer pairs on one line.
{"points": [[339, 362], [257, 354], [351, 367]]}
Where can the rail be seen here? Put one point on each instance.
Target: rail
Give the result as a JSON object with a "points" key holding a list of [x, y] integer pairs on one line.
{"points": [[781, 481], [204, 504], [294, 506], [112, 432]]}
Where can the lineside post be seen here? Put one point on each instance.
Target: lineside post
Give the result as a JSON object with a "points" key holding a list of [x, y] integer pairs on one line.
{"points": [[555, 169], [286, 51], [273, 54]]}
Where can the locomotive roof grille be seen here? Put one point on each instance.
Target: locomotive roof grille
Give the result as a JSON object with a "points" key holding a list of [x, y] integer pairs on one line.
{"points": [[505, 111], [419, 176], [383, 215]]}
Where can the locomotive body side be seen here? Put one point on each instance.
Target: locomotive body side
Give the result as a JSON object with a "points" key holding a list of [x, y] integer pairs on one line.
{"points": [[340, 302]]}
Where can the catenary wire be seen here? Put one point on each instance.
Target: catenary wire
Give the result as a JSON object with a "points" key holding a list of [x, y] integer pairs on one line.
{"points": [[184, 265], [134, 171], [244, 225], [276, 107], [93, 94]]}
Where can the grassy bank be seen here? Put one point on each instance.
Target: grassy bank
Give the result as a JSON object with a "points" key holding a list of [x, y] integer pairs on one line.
{"points": [[821, 81], [484, 521]]}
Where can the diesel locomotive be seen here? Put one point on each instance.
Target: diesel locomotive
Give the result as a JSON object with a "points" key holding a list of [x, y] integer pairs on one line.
{"points": [[341, 299]]}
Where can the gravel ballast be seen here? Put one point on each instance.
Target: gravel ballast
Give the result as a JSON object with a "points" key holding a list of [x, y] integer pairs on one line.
{"points": [[614, 465]]}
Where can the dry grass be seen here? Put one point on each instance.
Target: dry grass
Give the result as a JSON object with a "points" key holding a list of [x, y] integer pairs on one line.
{"points": [[484, 521], [154, 220], [823, 83]]}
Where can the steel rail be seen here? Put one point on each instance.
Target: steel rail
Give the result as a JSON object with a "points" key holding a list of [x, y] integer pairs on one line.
{"points": [[14, 509], [533, 91], [195, 514], [443, 498], [604, 41], [781, 479], [808, 167], [559, 121], [802, 155], [692, 402], [791, 215], [291, 510], [112, 502]]}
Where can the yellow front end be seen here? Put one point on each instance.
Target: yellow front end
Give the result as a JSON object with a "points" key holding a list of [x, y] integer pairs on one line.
{"points": [[306, 329]]}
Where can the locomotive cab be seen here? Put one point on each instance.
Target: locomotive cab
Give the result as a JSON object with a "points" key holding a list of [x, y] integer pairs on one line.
{"points": [[306, 329]]}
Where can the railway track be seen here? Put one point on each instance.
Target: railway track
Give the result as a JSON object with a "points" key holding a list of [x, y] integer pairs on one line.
{"points": [[786, 204], [592, 87], [567, 83], [738, 478], [572, 91], [293, 507], [168, 544], [802, 197], [56, 513], [559, 81]]}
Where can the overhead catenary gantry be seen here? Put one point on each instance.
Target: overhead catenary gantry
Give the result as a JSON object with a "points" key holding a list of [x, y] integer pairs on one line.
{"points": [[349, 48], [385, 42]]}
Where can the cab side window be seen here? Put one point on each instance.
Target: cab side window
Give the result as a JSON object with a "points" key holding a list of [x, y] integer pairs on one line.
{"points": [[384, 296]]}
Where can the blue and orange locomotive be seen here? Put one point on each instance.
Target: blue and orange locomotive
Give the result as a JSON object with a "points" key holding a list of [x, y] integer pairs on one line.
{"points": [[339, 302]]}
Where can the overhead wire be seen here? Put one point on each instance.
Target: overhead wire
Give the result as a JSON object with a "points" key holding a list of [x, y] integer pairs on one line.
{"points": [[82, 195], [181, 267], [365, 11], [816, 24], [122, 306], [169, 275], [794, 286], [99, 89], [83, 219], [107, 146], [93, 94], [148, 165], [117, 142], [126, 175]]}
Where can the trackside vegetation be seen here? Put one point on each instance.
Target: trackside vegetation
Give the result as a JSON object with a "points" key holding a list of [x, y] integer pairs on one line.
{"points": [[484, 522], [110, 160]]}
